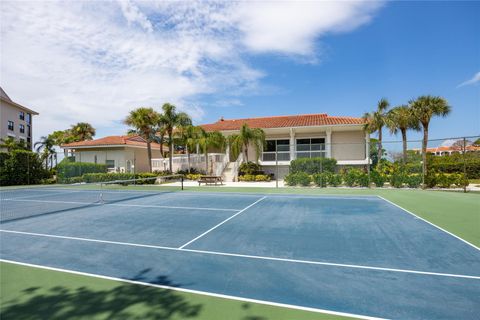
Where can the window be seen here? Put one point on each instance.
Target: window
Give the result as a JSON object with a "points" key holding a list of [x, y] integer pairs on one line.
{"points": [[29, 118], [22, 128], [310, 148], [273, 147], [29, 130], [11, 125], [21, 115], [110, 164]]}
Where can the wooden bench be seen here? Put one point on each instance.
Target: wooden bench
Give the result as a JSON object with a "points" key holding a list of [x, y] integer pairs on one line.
{"points": [[210, 180]]}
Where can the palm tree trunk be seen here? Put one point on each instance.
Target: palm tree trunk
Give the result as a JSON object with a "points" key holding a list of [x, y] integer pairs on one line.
{"points": [[404, 139], [424, 148], [246, 152], [161, 146], [206, 161], [379, 151], [149, 152], [170, 148], [188, 158]]}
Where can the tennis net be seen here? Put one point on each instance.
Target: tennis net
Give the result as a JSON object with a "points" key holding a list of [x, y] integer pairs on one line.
{"points": [[22, 203]]}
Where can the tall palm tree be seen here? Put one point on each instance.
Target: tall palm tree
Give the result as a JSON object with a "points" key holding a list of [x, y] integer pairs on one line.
{"points": [[82, 131], [144, 121], [374, 121], [46, 146], [207, 140], [247, 136], [424, 108], [401, 119], [172, 119]]}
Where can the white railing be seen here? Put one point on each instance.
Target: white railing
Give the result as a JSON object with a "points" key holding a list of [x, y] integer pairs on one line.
{"points": [[236, 166], [220, 165], [271, 156], [216, 163]]}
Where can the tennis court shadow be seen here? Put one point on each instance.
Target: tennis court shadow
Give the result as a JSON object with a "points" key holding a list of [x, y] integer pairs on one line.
{"points": [[126, 301]]}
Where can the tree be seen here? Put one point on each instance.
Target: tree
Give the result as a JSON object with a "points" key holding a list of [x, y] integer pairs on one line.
{"points": [[169, 120], [214, 139], [240, 142], [477, 142], [46, 146], [189, 137], [144, 121], [401, 119], [374, 121], [11, 144], [82, 131], [424, 108]]}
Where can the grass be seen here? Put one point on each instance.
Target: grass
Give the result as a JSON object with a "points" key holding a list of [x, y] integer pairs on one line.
{"points": [[31, 293]]}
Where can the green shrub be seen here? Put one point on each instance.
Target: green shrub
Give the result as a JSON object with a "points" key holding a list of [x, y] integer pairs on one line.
{"points": [[398, 179], [262, 177], [250, 168], [378, 178], [414, 180], [193, 176], [67, 169], [454, 164], [105, 177], [298, 178], [21, 167], [247, 177], [363, 180], [461, 180], [351, 177], [334, 180], [431, 179], [321, 179], [445, 180], [313, 165]]}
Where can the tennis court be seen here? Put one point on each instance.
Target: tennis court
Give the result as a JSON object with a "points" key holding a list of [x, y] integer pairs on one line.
{"points": [[355, 255]]}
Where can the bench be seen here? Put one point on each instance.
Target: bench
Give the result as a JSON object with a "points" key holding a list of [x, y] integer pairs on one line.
{"points": [[210, 180]]}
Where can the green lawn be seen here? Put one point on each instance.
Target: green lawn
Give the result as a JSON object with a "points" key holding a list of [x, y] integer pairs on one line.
{"points": [[31, 293]]}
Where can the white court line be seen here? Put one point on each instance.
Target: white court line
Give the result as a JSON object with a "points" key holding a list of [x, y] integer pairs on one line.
{"points": [[246, 256], [41, 195], [440, 228], [218, 225], [204, 293], [123, 205]]}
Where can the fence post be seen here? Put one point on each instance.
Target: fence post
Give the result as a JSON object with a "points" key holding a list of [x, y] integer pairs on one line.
{"points": [[464, 163], [276, 166]]}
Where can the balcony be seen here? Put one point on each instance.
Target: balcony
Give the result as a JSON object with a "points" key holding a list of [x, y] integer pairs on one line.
{"points": [[299, 151]]}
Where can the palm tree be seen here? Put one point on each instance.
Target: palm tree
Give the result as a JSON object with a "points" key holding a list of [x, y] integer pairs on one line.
{"points": [[144, 121], [374, 121], [206, 140], [240, 142], [401, 119], [171, 119], [189, 137], [82, 131], [424, 108], [11, 144], [46, 143]]}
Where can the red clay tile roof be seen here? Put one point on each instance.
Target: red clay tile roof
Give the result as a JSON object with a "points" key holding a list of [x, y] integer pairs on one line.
{"points": [[303, 120], [451, 148], [111, 141]]}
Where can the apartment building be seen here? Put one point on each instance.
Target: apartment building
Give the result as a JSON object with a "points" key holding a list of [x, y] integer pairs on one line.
{"points": [[16, 121]]}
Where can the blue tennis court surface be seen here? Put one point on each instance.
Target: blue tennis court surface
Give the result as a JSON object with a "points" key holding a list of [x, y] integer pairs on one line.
{"points": [[357, 255]]}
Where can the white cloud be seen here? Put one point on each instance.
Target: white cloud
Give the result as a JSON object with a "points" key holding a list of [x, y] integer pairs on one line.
{"points": [[95, 61], [475, 79]]}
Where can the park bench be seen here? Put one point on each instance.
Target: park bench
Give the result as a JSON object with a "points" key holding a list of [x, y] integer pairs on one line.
{"points": [[210, 180]]}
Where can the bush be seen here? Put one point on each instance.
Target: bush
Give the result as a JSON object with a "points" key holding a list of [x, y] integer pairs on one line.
{"points": [[21, 167], [67, 169], [363, 180], [105, 177], [398, 178], [334, 179], [431, 179], [454, 164], [461, 180], [262, 177], [247, 177], [445, 180], [250, 168], [351, 177], [414, 180], [321, 179], [313, 165], [193, 176], [378, 178], [299, 178]]}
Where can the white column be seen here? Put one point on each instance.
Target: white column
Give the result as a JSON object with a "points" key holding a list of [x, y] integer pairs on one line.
{"points": [[367, 147], [328, 141], [292, 144], [227, 152]]}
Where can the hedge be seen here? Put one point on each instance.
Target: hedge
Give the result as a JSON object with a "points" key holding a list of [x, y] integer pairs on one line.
{"points": [[105, 177], [21, 167], [313, 165], [298, 178], [67, 169], [254, 177]]}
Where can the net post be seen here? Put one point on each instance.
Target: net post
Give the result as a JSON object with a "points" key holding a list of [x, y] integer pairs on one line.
{"points": [[181, 180]]}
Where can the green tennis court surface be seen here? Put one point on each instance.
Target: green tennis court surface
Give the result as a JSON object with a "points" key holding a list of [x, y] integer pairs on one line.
{"points": [[346, 254]]}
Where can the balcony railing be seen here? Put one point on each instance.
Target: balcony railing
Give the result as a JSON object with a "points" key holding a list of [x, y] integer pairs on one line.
{"points": [[300, 151], [271, 156]]}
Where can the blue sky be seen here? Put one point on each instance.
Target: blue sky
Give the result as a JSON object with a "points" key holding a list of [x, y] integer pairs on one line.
{"points": [[95, 61]]}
